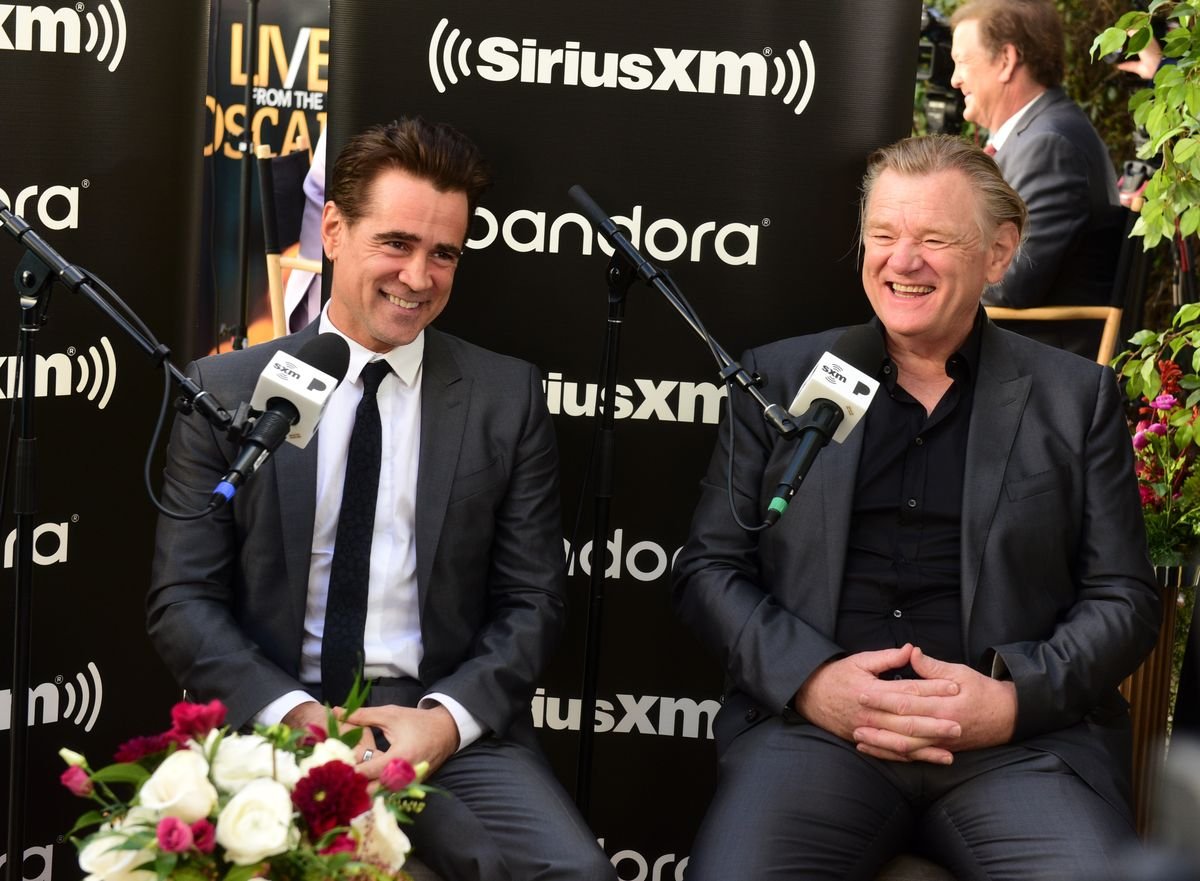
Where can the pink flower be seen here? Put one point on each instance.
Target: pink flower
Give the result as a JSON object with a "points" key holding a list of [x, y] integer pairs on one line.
{"points": [[1157, 428], [1140, 440], [204, 835], [397, 774], [341, 844], [1164, 402], [1147, 495], [174, 835], [196, 720], [77, 780]]}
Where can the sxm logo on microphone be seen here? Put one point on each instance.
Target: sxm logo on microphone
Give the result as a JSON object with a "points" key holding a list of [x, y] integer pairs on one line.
{"points": [[77, 700], [91, 374], [25, 28], [787, 76]]}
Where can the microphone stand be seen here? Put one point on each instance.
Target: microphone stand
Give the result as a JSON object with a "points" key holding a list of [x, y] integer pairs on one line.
{"points": [[620, 276], [36, 273], [625, 266]]}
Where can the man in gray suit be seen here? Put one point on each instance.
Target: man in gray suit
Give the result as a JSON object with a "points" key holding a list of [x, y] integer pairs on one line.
{"points": [[924, 653], [1008, 63], [462, 565]]}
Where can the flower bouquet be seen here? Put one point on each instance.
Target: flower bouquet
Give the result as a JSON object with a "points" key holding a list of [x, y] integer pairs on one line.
{"points": [[206, 804], [1166, 436]]}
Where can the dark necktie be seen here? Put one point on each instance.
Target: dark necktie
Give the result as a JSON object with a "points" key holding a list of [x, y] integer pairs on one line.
{"points": [[349, 574]]}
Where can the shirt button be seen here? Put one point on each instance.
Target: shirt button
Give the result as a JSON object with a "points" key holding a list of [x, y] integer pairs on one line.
{"points": [[896, 613], [919, 441], [912, 503], [887, 369]]}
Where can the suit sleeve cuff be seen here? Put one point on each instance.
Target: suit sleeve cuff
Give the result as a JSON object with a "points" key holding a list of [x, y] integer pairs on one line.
{"points": [[469, 728], [274, 712]]}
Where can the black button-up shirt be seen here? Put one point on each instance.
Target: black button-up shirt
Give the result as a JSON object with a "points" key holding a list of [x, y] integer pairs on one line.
{"points": [[902, 576]]}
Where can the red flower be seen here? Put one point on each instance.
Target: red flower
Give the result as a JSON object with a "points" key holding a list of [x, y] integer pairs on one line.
{"points": [[174, 835], [196, 720], [316, 734], [331, 795], [342, 844], [140, 747], [204, 835], [1170, 373], [77, 780], [397, 774]]}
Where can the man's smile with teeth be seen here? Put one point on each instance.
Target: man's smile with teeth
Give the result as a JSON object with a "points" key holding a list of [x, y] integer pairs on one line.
{"points": [[399, 301], [918, 289]]}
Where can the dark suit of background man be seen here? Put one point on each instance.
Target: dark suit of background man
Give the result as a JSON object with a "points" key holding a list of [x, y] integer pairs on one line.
{"points": [[466, 581], [1008, 63], [925, 651]]}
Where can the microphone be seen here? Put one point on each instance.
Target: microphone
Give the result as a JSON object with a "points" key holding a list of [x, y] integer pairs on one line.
{"points": [[830, 403], [292, 392]]}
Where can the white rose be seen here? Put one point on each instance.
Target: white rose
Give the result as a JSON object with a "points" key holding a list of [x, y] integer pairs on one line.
{"points": [[257, 823], [383, 841], [242, 758], [180, 787], [328, 751], [103, 860]]}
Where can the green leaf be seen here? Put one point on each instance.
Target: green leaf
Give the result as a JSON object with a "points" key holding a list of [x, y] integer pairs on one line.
{"points": [[1154, 4], [1186, 314], [1169, 74], [164, 864], [242, 873], [1131, 20], [1196, 361], [1183, 437], [1109, 40], [91, 818], [1190, 221], [1165, 136], [1138, 41], [127, 772], [1151, 382], [1143, 338], [1185, 149], [1189, 381], [1139, 98], [1179, 11], [1192, 399]]}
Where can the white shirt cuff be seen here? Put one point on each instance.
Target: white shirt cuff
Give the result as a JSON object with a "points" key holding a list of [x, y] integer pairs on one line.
{"points": [[281, 706], [469, 728]]}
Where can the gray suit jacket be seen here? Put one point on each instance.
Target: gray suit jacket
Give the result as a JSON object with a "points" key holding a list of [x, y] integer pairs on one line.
{"points": [[227, 599], [1061, 168], [1056, 583]]}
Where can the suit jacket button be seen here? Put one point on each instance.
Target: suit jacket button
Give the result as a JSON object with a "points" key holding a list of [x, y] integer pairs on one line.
{"points": [[751, 714]]}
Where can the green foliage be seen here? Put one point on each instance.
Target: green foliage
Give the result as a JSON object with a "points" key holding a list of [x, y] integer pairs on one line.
{"points": [[1170, 112]]}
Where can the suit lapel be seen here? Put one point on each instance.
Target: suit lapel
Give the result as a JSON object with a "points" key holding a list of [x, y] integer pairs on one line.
{"points": [[444, 397], [1001, 391], [839, 471]]}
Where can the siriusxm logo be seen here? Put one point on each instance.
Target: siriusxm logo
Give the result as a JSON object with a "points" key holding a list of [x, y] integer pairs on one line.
{"points": [[61, 30], [43, 855], [666, 400], [51, 701], [688, 71], [93, 375], [631, 714], [734, 244], [57, 207]]}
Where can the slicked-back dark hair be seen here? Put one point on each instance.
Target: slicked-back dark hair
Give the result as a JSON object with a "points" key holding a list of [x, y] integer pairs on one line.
{"points": [[432, 151]]}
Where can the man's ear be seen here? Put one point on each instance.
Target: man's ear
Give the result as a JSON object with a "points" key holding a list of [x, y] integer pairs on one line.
{"points": [[333, 230], [1001, 251], [1009, 58]]}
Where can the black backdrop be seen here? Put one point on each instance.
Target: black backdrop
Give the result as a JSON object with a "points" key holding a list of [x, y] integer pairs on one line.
{"points": [[102, 129], [695, 138]]}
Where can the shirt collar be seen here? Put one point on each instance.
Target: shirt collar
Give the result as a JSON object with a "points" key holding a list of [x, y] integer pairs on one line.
{"points": [[405, 361], [1000, 135], [964, 363]]}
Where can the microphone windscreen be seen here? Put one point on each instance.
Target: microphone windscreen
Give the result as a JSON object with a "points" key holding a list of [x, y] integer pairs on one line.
{"points": [[329, 353], [861, 346]]}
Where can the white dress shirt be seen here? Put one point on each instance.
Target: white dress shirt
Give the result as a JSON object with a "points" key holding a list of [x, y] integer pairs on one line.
{"points": [[392, 635]]}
